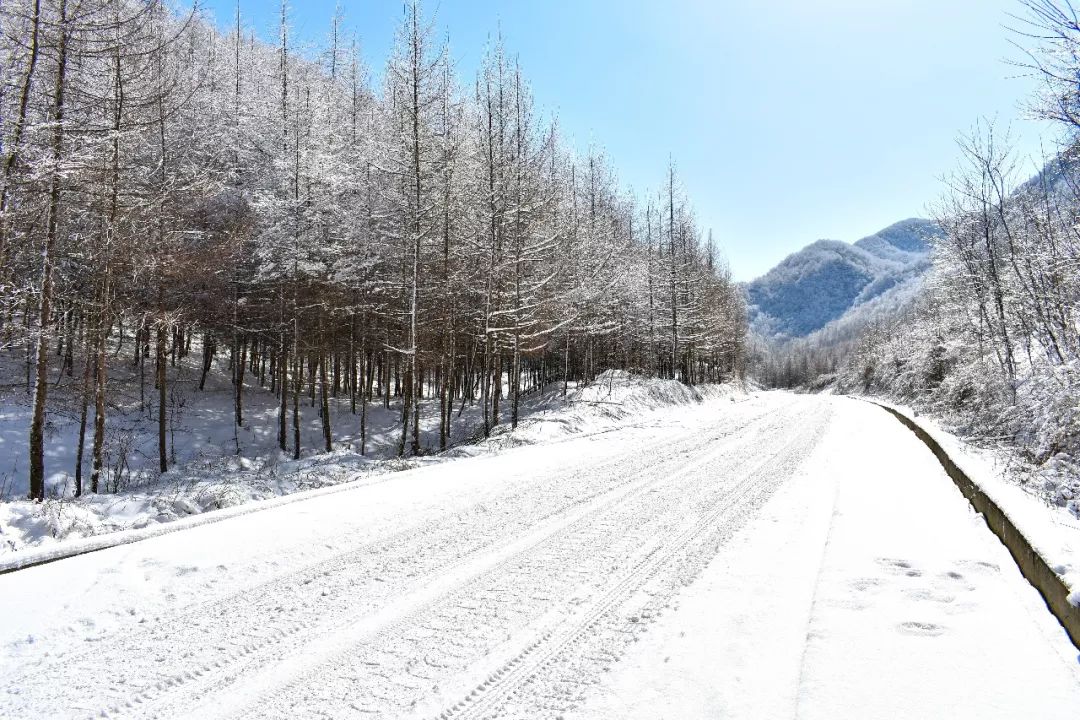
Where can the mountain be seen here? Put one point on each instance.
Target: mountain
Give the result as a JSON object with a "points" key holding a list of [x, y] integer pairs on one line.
{"points": [[828, 279]]}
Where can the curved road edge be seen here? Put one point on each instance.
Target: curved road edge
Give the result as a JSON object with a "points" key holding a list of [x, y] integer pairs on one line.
{"points": [[1032, 565]]}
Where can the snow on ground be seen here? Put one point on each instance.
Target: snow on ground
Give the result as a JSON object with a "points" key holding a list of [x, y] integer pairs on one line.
{"points": [[866, 588], [959, 631], [1053, 530], [210, 474], [788, 555]]}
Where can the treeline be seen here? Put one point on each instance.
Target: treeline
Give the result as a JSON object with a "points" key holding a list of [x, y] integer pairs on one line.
{"points": [[993, 341], [816, 360], [803, 363], [431, 239]]}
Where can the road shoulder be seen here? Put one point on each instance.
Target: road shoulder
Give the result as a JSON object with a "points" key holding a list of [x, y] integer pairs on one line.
{"points": [[866, 588]]}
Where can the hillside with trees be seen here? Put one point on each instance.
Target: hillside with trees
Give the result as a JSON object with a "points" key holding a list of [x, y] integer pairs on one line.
{"points": [[990, 341], [174, 193], [828, 279]]}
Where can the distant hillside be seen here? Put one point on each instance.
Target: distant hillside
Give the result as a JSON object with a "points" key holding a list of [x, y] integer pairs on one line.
{"points": [[825, 280]]}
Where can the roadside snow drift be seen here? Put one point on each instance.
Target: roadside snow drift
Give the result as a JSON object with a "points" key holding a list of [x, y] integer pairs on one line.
{"points": [[213, 479]]}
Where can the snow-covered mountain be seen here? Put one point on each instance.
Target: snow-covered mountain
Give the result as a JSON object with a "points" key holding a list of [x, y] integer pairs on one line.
{"points": [[828, 279]]}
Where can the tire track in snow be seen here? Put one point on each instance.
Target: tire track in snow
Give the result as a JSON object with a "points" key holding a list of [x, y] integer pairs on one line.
{"points": [[515, 678], [529, 595], [506, 557], [219, 641]]}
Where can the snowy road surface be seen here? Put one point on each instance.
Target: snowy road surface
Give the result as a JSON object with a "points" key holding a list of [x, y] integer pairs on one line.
{"points": [[786, 556]]}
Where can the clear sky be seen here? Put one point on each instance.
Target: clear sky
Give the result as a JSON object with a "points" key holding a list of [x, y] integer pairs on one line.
{"points": [[789, 121]]}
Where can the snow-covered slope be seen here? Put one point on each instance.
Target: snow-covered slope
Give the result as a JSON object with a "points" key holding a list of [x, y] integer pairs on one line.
{"points": [[828, 279], [214, 471]]}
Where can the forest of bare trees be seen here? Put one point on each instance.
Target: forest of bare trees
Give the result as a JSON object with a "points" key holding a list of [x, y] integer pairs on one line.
{"points": [[171, 187]]}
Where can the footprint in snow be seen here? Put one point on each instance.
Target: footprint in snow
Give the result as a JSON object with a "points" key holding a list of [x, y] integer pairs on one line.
{"points": [[943, 598], [924, 629], [954, 581], [866, 584], [980, 566], [898, 567]]}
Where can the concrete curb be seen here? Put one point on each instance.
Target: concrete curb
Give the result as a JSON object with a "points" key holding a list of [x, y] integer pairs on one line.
{"points": [[1052, 588]]}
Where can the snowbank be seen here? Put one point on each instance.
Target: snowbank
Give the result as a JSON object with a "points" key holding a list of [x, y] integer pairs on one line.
{"points": [[613, 399], [63, 525]]}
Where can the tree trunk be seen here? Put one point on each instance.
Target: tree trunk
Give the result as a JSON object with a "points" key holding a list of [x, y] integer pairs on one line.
{"points": [[208, 359], [283, 385], [37, 424], [325, 398], [163, 457], [296, 405], [83, 411], [238, 381]]}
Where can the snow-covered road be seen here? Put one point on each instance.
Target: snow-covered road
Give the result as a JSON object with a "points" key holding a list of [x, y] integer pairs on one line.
{"points": [[522, 585]]}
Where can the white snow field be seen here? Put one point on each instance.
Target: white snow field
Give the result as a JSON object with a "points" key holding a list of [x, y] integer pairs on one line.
{"points": [[786, 556]]}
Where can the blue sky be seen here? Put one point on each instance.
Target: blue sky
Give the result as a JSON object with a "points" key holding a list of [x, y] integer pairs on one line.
{"points": [[789, 121]]}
